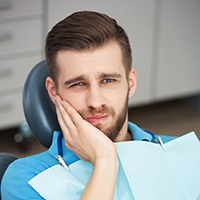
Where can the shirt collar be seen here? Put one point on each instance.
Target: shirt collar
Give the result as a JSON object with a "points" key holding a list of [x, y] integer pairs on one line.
{"points": [[138, 133]]}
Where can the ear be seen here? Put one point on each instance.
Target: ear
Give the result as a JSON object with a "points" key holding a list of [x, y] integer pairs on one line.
{"points": [[51, 88], [132, 80]]}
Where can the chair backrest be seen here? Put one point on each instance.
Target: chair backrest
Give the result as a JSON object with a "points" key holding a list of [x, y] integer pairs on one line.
{"points": [[5, 160], [38, 108]]}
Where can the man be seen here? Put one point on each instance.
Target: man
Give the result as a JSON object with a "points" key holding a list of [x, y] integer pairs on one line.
{"points": [[91, 80]]}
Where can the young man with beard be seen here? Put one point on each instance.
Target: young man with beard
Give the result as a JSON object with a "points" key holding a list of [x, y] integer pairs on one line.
{"points": [[91, 79]]}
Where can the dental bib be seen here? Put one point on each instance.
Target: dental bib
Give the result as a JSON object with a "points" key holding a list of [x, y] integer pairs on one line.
{"points": [[146, 171]]}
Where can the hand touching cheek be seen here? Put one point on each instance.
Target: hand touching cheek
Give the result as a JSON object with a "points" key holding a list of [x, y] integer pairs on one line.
{"points": [[85, 140]]}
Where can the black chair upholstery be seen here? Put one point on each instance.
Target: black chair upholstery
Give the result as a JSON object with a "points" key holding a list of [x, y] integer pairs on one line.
{"points": [[38, 108], [5, 160]]}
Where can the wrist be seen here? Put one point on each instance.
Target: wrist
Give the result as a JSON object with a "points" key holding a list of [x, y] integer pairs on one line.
{"points": [[109, 160]]}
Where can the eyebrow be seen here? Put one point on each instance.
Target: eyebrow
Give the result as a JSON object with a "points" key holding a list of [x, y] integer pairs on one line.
{"points": [[74, 80], [101, 76], [113, 75]]}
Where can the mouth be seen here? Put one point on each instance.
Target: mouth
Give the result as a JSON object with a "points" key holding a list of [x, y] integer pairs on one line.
{"points": [[96, 119]]}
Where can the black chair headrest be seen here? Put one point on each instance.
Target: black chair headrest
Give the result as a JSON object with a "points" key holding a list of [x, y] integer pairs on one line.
{"points": [[38, 108]]}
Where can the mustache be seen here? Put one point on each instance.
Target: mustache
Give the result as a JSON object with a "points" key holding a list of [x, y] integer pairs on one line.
{"points": [[96, 111]]}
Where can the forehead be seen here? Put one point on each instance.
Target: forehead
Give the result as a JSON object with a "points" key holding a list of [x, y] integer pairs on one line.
{"points": [[107, 58]]}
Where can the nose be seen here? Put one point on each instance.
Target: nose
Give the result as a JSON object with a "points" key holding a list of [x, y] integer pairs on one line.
{"points": [[95, 97]]}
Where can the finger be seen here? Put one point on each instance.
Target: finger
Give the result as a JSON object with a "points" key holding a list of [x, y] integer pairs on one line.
{"points": [[73, 114], [62, 112], [64, 121], [61, 122], [64, 118]]}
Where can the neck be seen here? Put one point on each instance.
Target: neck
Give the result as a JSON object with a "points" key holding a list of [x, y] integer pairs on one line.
{"points": [[124, 135]]}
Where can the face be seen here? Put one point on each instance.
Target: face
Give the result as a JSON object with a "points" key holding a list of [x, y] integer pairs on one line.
{"points": [[96, 85]]}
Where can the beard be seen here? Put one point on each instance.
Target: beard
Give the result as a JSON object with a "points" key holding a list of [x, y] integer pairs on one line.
{"points": [[119, 119]]}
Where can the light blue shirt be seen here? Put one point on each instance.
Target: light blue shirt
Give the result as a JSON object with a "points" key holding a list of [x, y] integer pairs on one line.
{"points": [[15, 181]]}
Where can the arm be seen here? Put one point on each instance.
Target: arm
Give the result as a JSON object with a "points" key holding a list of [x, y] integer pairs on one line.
{"points": [[102, 182], [90, 144]]}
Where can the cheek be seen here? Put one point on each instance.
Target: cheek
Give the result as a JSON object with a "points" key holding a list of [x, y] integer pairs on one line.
{"points": [[75, 100], [118, 99]]}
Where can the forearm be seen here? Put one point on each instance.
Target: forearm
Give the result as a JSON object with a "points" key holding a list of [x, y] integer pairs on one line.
{"points": [[103, 180]]}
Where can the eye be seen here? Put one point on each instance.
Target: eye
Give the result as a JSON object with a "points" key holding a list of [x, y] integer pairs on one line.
{"points": [[78, 84], [108, 80]]}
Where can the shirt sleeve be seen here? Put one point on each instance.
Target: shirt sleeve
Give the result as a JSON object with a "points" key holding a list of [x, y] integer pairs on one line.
{"points": [[15, 180]]}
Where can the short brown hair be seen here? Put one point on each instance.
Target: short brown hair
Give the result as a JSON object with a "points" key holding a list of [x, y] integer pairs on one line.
{"points": [[85, 30]]}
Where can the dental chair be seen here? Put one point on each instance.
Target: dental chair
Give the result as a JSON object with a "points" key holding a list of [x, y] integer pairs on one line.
{"points": [[37, 106], [39, 112]]}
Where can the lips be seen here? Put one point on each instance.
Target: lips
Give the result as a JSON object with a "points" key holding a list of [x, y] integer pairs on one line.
{"points": [[96, 119]]}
